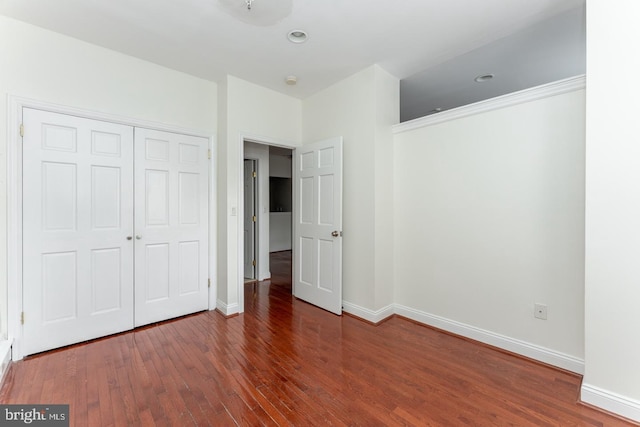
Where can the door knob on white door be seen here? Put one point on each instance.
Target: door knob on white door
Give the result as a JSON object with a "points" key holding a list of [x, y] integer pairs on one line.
{"points": [[138, 236], [129, 237], [336, 233]]}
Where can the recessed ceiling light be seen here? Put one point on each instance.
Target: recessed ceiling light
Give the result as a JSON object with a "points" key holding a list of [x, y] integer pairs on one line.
{"points": [[291, 80], [484, 78], [297, 36]]}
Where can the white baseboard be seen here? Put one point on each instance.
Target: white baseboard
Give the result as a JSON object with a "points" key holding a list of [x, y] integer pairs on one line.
{"points": [[225, 309], [5, 358], [523, 348], [611, 402], [366, 314]]}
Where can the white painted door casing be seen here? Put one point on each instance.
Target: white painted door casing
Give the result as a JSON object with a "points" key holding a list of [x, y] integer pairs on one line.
{"points": [[317, 252], [77, 204], [250, 270]]}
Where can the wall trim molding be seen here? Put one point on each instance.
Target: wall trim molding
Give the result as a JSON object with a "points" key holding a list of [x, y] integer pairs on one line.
{"points": [[227, 310], [610, 402], [372, 316], [5, 358], [107, 117], [527, 95], [523, 348]]}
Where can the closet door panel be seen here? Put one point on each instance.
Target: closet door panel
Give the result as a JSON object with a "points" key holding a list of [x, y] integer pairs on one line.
{"points": [[171, 225], [77, 214]]}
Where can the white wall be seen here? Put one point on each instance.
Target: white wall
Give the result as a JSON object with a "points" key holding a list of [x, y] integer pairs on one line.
{"points": [[387, 114], [612, 287], [46, 66], [489, 219], [280, 225], [260, 152], [260, 115], [280, 228], [361, 109]]}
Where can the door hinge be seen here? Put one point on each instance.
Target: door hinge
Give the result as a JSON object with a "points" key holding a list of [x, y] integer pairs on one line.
{"points": [[254, 174], [255, 219], [22, 130], [208, 154], [253, 262], [208, 283], [22, 318]]}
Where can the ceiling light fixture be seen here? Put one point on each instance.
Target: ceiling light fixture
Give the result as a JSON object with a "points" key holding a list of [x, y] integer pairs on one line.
{"points": [[297, 36], [483, 78]]}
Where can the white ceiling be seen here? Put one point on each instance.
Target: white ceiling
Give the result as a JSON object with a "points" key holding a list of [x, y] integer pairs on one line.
{"points": [[212, 38]]}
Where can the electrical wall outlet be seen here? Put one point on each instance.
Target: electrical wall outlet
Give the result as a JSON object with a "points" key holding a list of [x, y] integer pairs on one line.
{"points": [[540, 311]]}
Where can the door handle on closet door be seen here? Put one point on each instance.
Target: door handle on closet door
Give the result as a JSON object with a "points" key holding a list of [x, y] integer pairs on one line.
{"points": [[138, 236], [129, 237]]}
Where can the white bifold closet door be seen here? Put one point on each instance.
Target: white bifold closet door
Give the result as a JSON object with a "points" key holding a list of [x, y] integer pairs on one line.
{"points": [[77, 215], [115, 228], [171, 205]]}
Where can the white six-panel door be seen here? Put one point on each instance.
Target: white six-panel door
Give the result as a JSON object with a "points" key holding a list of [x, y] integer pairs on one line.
{"points": [[77, 205], [317, 255], [171, 225]]}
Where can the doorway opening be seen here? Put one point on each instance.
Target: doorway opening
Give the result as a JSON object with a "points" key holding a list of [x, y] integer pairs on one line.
{"points": [[267, 202], [316, 227]]}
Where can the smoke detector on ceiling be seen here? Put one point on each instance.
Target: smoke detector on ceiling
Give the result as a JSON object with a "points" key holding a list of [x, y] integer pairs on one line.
{"points": [[291, 80]]}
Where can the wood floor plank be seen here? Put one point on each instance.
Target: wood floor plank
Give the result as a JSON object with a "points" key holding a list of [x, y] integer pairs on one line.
{"points": [[287, 363]]}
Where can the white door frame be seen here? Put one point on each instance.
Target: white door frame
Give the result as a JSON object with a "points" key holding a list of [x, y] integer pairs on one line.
{"points": [[14, 200], [257, 139], [256, 224]]}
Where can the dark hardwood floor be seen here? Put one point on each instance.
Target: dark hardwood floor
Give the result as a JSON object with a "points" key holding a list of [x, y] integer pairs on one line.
{"points": [[285, 362]]}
